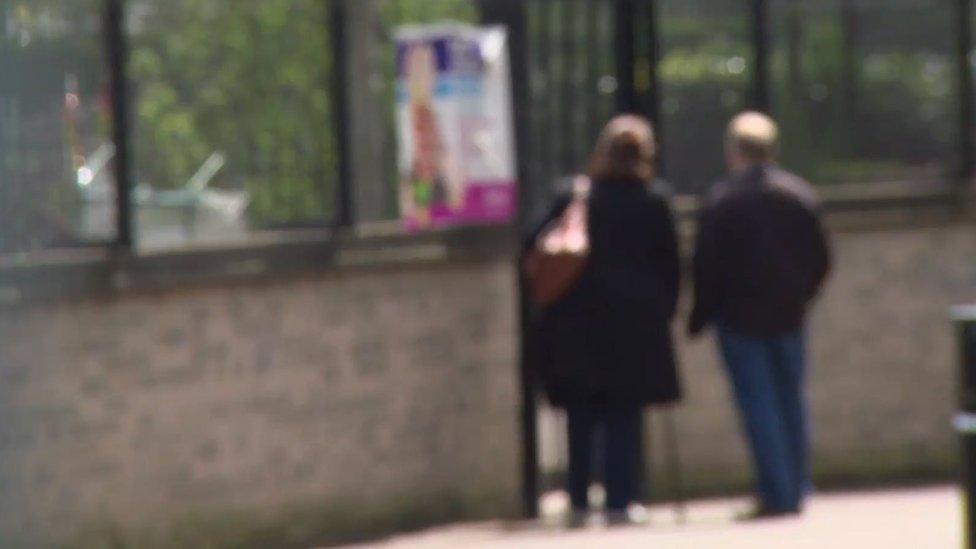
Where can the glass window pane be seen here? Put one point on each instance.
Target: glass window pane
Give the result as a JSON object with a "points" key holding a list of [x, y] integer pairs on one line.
{"points": [[57, 187], [866, 90], [233, 122], [706, 71]]}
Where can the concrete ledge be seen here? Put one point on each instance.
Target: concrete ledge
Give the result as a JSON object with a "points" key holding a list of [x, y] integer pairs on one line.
{"points": [[64, 274]]}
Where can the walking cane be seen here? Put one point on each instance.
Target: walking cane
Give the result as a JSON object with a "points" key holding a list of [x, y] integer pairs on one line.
{"points": [[674, 466]]}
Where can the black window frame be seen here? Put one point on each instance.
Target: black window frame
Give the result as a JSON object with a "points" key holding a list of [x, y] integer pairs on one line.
{"points": [[119, 265], [116, 43], [637, 63]]}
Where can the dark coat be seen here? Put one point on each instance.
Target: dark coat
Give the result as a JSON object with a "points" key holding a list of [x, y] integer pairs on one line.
{"points": [[762, 254], [608, 342]]}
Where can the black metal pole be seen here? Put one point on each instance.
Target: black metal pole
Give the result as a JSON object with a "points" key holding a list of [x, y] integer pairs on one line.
{"points": [[649, 103], [592, 52], [850, 25], [568, 134], [653, 101], [626, 56], [674, 462], [117, 56], [340, 91], [760, 42], [966, 107], [512, 14], [965, 422], [533, 153], [544, 110], [5, 202]]}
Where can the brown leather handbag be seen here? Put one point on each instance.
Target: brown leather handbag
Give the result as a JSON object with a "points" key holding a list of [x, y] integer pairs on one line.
{"points": [[559, 256]]}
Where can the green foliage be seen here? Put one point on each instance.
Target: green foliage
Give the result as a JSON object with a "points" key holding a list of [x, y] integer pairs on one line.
{"points": [[863, 91], [869, 97], [402, 12], [249, 79], [706, 76], [861, 95]]}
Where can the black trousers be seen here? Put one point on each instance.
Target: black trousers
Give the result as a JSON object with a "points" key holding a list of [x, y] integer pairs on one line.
{"points": [[621, 445]]}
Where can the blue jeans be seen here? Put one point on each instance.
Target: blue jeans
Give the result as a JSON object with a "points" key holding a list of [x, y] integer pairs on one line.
{"points": [[622, 441], [767, 379]]}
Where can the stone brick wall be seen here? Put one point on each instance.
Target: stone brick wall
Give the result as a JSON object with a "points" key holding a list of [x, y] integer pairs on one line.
{"points": [[882, 377], [316, 407], [386, 395]]}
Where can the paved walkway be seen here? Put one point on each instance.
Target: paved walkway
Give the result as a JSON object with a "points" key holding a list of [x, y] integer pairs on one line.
{"points": [[915, 519]]}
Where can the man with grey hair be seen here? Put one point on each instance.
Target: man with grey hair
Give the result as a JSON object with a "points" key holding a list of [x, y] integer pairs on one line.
{"points": [[761, 258]]}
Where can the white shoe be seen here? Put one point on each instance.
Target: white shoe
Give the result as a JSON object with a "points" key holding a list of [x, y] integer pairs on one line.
{"points": [[635, 515]]}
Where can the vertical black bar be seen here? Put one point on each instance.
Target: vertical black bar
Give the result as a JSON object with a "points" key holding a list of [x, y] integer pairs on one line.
{"points": [[964, 319], [535, 13], [117, 56], [850, 25], [544, 107], [608, 57], [5, 175], [557, 96], [531, 152], [674, 465], [650, 103], [535, 116], [344, 217], [512, 13], [964, 20], [626, 56], [592, 47], [793, 42], [760, 42], [653, 102], [569, 108]]}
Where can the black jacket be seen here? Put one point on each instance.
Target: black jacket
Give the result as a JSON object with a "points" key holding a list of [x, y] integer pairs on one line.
{"points": [[761, 255], [608, 342]]}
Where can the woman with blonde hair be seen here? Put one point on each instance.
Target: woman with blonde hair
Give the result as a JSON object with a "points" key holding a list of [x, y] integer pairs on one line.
{"points": [[604, 345]]}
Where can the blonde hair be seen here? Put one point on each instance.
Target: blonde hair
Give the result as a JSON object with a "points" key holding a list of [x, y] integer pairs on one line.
{"points": [[754, 135], [625, 150]]}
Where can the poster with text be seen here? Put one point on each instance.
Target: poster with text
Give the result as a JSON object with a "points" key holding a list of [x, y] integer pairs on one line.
{"points": [[456, 155]]}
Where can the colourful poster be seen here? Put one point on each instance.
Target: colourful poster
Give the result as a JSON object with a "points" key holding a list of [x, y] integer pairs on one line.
{"points": [[454, 117]]}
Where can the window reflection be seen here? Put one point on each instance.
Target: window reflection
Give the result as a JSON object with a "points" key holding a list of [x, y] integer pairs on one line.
{"points": [[57, 187], [233, 123]]}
